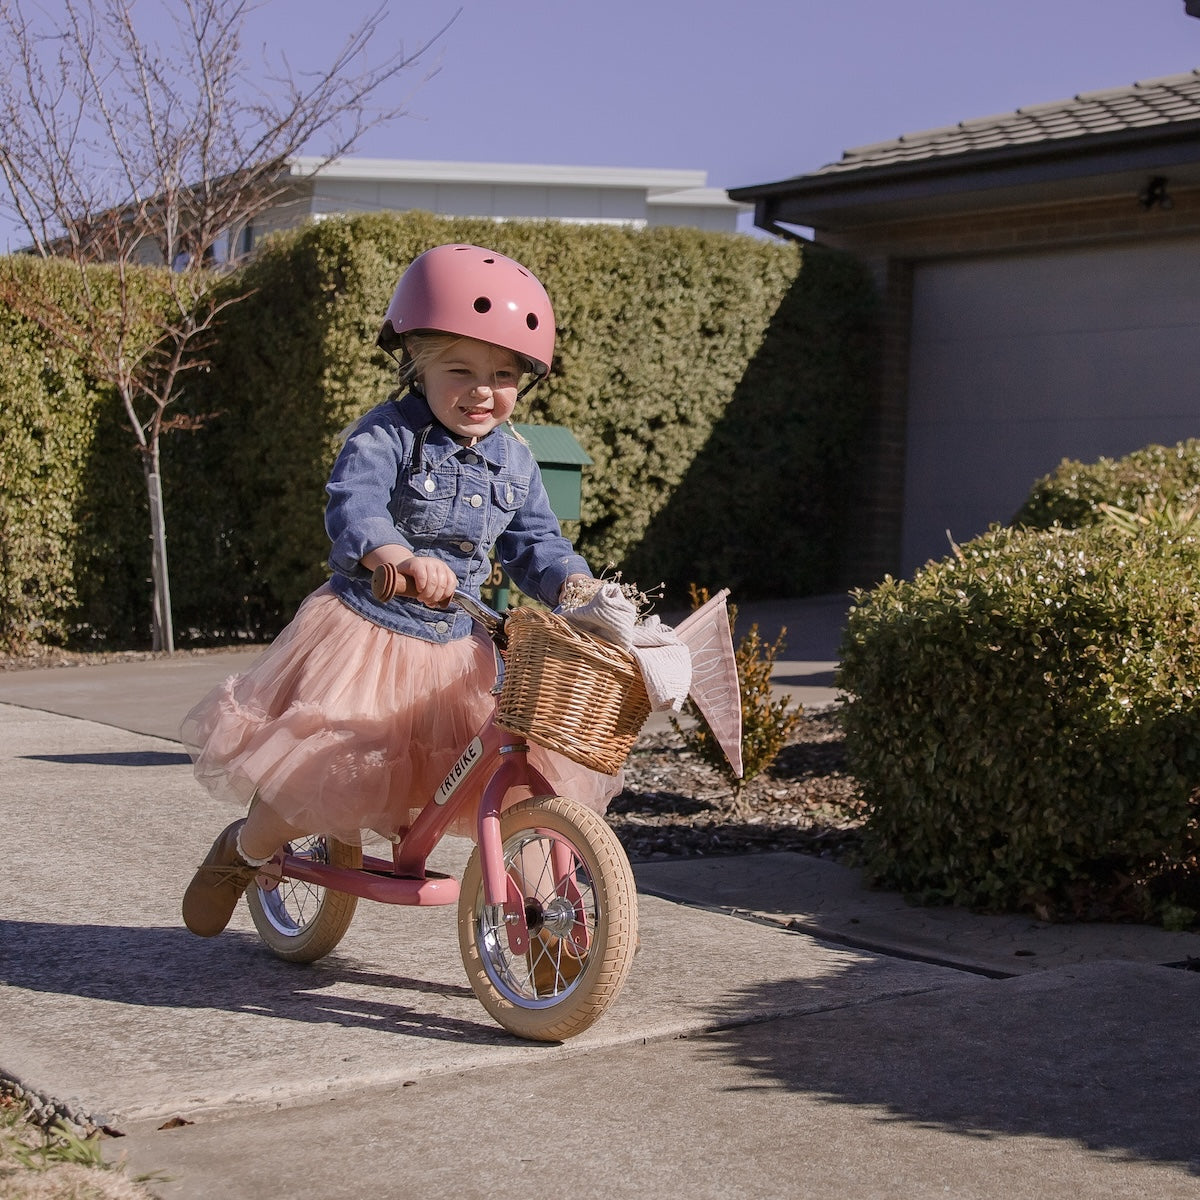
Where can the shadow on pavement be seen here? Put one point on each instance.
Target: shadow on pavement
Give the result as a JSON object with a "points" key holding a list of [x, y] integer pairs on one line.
{"points": [[1092, 1055], [115, 758], [785, 679], [170, 968]]}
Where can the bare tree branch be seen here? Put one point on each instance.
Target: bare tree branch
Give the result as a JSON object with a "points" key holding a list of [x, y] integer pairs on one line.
{"points": [[120, 151]]}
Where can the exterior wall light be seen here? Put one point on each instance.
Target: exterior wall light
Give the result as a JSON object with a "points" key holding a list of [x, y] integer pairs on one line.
{"points": [[1154, 194]]}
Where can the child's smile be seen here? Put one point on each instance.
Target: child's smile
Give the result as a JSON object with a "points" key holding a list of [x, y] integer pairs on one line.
{"points": [[472, 388]]}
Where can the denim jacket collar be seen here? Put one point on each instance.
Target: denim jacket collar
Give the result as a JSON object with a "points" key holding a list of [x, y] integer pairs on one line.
{"points": [[435, 443]]}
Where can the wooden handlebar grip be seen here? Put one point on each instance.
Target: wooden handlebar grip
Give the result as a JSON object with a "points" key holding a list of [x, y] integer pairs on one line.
{"points": [[387, 583]]}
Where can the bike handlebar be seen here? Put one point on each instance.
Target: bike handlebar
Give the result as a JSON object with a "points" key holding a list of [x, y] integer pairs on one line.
{"points": [[388, 582]]}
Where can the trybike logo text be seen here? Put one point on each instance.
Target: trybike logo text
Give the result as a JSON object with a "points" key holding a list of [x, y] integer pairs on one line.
{"points": [[459, 772]]}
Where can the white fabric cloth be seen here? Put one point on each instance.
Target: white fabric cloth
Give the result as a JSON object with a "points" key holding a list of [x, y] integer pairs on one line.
{"points": [[664, 661], [609, 614]]}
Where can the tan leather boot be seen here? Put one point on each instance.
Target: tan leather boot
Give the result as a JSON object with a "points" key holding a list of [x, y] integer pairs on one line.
{"points": [[217, 886]]}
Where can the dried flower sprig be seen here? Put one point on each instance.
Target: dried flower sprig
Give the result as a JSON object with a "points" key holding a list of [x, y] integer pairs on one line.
{"points": [[578, 592]]}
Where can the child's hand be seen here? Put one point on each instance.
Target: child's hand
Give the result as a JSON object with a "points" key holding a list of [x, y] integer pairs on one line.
{"points": [[570, 579], [433, 581], [429, 579]]}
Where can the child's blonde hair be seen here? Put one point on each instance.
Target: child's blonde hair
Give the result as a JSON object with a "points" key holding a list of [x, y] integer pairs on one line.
{"points": [[422, 349]]}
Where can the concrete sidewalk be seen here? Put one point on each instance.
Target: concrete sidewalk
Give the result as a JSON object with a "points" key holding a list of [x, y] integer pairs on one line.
{"points": [[784, 1031], [152, 695]]}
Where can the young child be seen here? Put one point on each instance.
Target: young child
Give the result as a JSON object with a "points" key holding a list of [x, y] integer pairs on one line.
{"points": [[358, 709]]}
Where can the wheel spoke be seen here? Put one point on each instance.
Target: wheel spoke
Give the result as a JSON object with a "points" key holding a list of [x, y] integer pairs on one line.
{"points": [[302, 921]]}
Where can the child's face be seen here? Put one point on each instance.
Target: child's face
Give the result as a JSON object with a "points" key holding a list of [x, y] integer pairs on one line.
{"points": [[472, 388]]}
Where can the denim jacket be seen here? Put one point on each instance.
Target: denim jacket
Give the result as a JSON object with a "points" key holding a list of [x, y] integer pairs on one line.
{"points": [[402, 479]]}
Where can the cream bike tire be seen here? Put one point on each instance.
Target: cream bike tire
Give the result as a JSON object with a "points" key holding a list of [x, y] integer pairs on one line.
{"points": [[301, 922], [582, 926]]}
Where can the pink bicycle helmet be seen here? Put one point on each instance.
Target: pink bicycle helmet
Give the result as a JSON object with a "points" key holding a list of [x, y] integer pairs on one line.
{"points": [[475, 293]]}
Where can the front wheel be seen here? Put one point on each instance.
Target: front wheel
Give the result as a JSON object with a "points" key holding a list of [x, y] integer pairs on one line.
{"points": [[299, 921], [581, 909]]}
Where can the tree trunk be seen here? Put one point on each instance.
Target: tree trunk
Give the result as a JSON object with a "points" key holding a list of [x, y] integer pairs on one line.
{"points": [[162, 633]]}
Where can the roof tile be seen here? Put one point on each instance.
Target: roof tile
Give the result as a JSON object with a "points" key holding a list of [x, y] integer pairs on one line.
{"points": [[1170, 99]]}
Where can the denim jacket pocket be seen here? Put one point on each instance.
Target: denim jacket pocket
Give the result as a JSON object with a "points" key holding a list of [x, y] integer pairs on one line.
{"points": [[423, 504], [508, 495]]}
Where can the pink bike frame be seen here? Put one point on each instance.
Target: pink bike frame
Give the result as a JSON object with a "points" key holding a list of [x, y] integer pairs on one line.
{"points": [[492, 764]]}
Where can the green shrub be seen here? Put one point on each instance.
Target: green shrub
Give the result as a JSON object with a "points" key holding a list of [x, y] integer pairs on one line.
{"points": [[44, 432], [763, 506], [74, 530], [671, 343], [1071, 494], [1023, 720]]}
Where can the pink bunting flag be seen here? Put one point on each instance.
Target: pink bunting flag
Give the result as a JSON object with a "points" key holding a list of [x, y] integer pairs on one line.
{"points": [[715, 690]]}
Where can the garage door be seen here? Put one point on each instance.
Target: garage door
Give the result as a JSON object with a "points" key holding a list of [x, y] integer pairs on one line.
{"points": [[1021, 361]]}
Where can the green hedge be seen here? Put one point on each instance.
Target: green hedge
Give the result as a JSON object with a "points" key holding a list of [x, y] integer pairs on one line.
{"points": [[74, 528], [718, 382], [1070, 495], [1023, 720]]}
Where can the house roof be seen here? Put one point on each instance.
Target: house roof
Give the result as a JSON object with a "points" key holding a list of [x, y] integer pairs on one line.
{"points": [[1092, 144], [1153, 102]]}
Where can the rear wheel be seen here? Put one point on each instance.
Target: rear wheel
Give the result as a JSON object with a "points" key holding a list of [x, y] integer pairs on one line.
{"points": [[581, 909], [299, 921]]}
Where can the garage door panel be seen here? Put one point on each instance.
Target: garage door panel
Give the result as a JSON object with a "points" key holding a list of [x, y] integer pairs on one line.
{"points": [[943, 477], [1067, 375], [1038, 293], [1020, 362]]}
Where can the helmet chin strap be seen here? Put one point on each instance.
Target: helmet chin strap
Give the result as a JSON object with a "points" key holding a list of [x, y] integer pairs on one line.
{"points": [[530, 386]]}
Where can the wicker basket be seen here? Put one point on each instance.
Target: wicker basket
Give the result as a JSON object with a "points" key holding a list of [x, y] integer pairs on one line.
{"points": [[570, 692]]}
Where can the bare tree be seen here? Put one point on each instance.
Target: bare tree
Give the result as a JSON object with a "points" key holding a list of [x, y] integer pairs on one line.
{"points": [[118, 150]]}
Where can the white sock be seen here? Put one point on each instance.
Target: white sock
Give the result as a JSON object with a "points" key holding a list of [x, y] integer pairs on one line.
{"points": [[250, 862]]}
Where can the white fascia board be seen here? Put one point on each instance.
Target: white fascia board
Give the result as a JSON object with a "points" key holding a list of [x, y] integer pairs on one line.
{"points": [[697, 198], [468, 172]]}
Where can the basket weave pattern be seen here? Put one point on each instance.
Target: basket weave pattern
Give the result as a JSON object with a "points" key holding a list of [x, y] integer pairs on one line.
{"points": [[570, 692]]}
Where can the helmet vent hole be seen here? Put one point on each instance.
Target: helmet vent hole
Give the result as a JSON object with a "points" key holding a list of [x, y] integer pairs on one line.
{"points": [[482, 305], [489, 261], [531, 320]]}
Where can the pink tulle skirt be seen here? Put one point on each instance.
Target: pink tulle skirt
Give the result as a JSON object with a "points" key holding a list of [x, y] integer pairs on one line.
{"points": [[343, 727]]}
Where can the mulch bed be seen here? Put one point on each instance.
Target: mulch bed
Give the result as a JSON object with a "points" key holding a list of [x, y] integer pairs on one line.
{"points": [[675, 806]]}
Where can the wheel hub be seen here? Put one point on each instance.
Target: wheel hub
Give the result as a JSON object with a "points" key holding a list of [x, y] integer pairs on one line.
{"points": [[559, 916]]}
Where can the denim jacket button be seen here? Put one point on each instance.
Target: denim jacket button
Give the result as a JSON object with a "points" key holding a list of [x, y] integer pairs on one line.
{"points": [[442, 627], [466, 547], [429, 485], [476, 501]]}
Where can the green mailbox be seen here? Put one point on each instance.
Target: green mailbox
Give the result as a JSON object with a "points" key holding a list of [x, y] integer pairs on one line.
{"points": [[561, 460]]}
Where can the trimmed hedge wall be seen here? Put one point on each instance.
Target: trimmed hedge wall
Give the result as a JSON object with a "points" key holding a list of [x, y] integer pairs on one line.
{"points": [[1023, 720], [74, 525], [718, 381], [1071, 494]]}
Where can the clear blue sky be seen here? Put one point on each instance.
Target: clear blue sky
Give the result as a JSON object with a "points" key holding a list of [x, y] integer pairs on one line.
{"points": [[748, 90]]}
